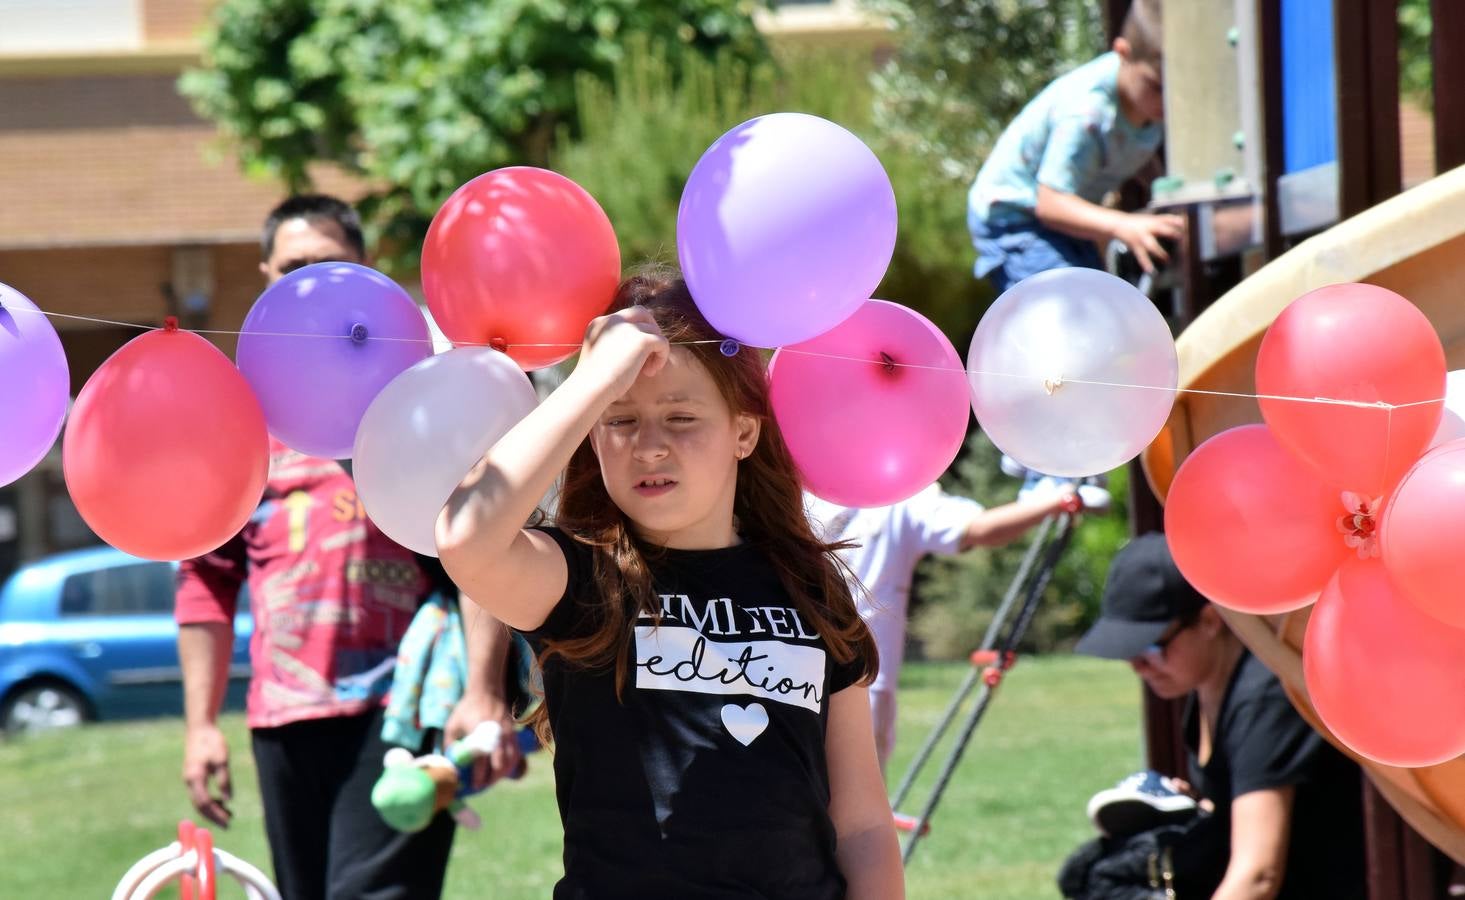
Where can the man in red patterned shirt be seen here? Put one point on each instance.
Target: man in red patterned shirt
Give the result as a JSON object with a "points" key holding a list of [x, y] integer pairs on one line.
{"points": [[331, 597]]}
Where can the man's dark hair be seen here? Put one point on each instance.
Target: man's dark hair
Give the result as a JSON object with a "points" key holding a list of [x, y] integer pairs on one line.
{"points": [[314, 208]]}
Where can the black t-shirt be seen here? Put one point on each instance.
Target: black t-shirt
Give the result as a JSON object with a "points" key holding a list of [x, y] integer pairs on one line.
{"points": [[1260, 743], [709, 781]]}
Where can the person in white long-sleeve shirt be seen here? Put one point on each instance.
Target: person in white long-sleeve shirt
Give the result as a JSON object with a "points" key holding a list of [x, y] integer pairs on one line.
{"points": [[892, 539]]}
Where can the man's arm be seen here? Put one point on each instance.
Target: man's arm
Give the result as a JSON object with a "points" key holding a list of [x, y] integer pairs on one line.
{"points": [[203, 654], [488, 643], [204, 605], [1004, 524]]}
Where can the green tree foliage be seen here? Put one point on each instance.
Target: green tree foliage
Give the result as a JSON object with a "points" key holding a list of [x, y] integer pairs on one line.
{"points": [[965, 68], [1416, 75], [418, 96]]}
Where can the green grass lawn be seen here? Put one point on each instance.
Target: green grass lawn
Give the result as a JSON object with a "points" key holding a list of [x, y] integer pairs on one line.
{"points": [[76, 809]]}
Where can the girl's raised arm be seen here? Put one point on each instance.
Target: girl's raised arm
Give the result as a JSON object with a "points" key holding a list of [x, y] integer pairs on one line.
{"points": [[519, 575]]}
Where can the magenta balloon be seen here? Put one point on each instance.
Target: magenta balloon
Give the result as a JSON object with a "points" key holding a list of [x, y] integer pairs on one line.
{"points": [[786, 225], [315, 387], [37, 385], [879, 413]]}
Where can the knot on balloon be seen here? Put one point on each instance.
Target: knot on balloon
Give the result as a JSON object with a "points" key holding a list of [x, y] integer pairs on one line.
{"points": [[358, 333], [888, 362], [499, 344], [1360, 525], [1051, 385], [170, 323], [729, 347]]}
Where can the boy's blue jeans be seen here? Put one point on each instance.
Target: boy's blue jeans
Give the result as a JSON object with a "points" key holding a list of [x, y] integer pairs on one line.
{"points": [[1006, 254]]}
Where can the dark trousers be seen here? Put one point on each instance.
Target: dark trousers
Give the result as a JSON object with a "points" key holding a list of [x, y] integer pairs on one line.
{"points": [[326, 839]]}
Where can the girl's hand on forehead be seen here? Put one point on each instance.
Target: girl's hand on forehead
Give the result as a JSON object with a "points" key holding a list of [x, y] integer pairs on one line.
{"points": [[622, 346]]}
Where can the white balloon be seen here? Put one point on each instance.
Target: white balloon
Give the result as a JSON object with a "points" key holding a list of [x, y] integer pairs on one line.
{"points": [[1049, 365], [1452, 422], [425, 431]]}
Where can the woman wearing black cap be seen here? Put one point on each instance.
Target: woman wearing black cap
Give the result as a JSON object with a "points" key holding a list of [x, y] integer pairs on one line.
{"points": [[1285, 806]]}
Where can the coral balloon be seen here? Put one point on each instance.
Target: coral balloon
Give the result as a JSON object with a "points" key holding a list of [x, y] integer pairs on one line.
{"points": [[517, 257], [314, 390], [1387, 680], [1250, 526], [1357, 342], [1421, 534], [37, 385], [166, 451], [786, 227], [881, 421], [426, 429], [1038, 344]]}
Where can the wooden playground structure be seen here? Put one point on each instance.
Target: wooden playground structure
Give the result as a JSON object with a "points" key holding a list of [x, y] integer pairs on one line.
{"points": [[1283, 152]]}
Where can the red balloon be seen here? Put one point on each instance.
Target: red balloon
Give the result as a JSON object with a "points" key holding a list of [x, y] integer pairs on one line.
{"points": [[1251, 527], [1387, 680], [166, 451], [1362, 343], [1421, 534], [520, 256]]}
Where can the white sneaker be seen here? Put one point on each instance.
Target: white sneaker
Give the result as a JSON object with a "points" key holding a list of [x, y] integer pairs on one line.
{"points": [[1140, 802]]}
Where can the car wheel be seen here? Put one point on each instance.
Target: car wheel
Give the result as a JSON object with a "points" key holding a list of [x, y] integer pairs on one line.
{"points": [[41, 706]]}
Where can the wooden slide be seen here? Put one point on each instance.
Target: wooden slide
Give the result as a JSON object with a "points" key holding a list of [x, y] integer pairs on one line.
{"points": [[1413, 244]]}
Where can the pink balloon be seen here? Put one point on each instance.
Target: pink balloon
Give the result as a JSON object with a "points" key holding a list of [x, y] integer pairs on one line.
{"points": [[1387, 680], [883, 418], [1251, 527], [1421, 534], [1357, 342]]}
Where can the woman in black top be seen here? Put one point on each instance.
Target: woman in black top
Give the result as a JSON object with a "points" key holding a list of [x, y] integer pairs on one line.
{"points": [[1288, 804]]}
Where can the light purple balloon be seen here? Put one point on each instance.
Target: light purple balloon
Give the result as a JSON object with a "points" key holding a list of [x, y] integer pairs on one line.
{"points": [[315, 388], [786, 226], [37, 385]]}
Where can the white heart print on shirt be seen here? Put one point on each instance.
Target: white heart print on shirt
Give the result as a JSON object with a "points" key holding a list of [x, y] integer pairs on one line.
{"points": [[745, 723]]}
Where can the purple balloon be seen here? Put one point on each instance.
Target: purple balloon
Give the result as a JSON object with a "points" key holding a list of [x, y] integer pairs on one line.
{"points": [[318, 346], [37, 385], [786, 226]]}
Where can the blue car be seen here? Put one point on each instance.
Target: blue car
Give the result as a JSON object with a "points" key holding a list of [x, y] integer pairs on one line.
{"points": [[90, 634]]}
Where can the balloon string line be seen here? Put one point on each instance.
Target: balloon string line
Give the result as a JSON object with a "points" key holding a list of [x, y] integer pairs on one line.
{"points": [[1059, 380], [16, 309], [883, 360]]}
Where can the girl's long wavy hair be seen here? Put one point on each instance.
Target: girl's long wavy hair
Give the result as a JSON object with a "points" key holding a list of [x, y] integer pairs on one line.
{"points": [[768, 504]]}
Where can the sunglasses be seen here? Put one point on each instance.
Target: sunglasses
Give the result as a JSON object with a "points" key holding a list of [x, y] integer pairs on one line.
{"points": [[1154, 654]]}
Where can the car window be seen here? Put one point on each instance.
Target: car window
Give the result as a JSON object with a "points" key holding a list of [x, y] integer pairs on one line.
{"points": [[131, 590]]}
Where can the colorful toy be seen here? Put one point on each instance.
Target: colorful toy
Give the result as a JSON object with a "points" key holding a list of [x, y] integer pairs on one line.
{"points": [[411, 790]]}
